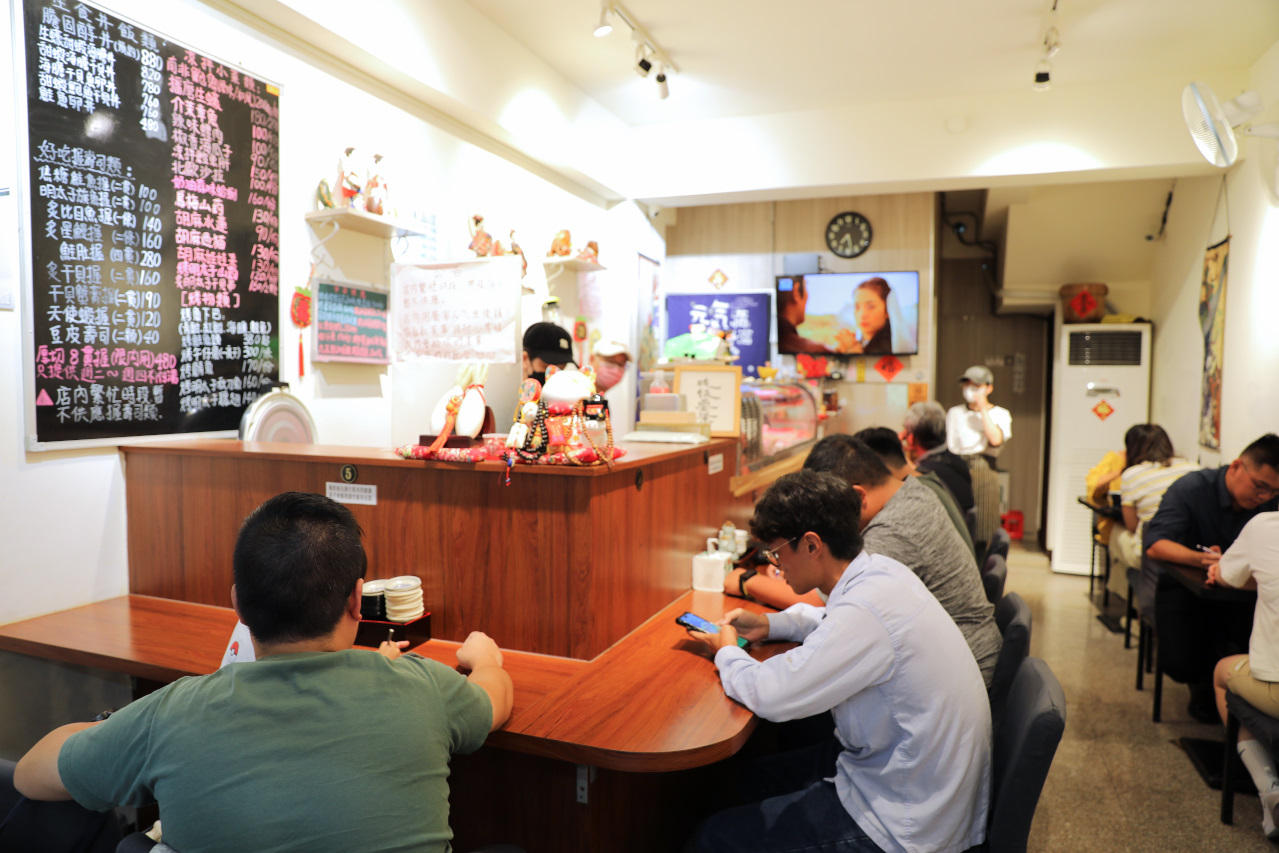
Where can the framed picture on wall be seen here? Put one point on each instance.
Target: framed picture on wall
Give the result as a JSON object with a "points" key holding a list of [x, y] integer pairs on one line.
{"points": [[714, 392]]}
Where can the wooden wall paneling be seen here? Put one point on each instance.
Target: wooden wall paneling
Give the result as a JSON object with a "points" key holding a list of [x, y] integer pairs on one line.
{"points": [[722, 229], [901, 222], [153, 506], [510, 551]]}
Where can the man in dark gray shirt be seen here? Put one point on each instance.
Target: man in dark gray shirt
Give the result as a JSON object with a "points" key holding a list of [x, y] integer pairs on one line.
{"points": [[906, 521]]}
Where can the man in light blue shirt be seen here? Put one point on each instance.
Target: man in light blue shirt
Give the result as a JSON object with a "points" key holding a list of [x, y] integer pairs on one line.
{"points": [[911, 763]]}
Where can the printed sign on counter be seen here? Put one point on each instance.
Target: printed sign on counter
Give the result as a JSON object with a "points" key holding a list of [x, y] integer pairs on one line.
{"points": [[714, 392]]}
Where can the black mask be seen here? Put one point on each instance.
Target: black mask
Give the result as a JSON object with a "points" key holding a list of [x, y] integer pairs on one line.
{"points": [[539, 375]]}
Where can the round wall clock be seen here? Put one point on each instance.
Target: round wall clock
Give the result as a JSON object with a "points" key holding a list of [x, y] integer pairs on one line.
{"points": [[848, 234]]}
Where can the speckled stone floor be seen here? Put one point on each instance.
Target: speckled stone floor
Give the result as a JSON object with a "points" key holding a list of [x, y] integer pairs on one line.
{"points": [[1119, 781]]}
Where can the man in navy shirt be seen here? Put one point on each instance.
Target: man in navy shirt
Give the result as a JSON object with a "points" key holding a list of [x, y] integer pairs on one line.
{"points": [[1199, 517]]}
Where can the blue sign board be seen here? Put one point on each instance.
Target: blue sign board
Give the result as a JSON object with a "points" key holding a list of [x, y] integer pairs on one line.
{"points": [[747, 317]]}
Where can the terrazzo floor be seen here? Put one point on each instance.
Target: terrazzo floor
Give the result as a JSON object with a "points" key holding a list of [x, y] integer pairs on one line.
{"points": [[1119, 781]]}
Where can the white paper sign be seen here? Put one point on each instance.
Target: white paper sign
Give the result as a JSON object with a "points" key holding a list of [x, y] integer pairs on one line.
{"points": [[715, 464], [351, 493], [455, 312]]}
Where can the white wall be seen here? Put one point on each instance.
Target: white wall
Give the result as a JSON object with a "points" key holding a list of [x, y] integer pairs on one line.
{"points": [[62, 513], [1250, 390]]}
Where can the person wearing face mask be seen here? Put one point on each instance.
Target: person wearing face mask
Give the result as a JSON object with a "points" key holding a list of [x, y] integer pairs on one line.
{"points": [[977, 431], [609, 358], [546, 344]]}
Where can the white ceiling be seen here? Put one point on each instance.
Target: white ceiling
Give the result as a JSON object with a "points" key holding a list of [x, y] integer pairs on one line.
{"points": [[761, 57]]}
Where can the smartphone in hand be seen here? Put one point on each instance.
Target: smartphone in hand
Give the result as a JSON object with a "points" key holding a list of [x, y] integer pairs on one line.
{"points": [[697, 623]]}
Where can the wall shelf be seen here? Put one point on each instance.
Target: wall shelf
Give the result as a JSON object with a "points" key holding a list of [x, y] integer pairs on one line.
{"points": [[349, 219]]}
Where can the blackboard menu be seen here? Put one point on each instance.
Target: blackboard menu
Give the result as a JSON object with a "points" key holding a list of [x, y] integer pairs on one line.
{"points": [[350, 324], [154, 231]]}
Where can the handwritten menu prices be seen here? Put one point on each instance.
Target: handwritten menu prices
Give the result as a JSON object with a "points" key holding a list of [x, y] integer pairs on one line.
{"points": [[456, 312], [154, 233], [350, 324]]}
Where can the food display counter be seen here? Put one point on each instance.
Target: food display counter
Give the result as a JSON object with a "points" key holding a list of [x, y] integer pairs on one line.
{"points": [[780, 423]]}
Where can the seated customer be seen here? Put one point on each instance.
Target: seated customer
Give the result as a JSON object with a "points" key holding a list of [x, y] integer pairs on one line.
{"points": [[1254, 677], [905, 521], [909, 767], [1152, 469], [315, 746], [888, 445], [1199, 517], [924, 437]]}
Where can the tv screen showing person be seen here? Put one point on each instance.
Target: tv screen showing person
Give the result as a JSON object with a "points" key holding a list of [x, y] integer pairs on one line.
{"points": [[848, 313]]}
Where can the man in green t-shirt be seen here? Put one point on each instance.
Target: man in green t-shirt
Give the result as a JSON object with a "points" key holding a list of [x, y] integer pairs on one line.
{"points": [[314, 746]]}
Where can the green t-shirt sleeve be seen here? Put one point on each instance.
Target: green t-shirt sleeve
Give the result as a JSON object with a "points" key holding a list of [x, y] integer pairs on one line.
{"points": [[102, 767], [467, 708]]}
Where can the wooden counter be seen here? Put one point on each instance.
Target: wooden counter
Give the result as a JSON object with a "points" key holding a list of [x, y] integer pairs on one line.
{"points": [[565, 561]]}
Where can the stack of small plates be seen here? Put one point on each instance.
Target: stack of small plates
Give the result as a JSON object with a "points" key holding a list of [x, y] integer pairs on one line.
{"points": [[372, 602], [404, 599]]}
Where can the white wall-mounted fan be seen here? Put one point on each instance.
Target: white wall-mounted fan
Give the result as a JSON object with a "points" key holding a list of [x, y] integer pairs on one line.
{"points": [[1211, 123]]}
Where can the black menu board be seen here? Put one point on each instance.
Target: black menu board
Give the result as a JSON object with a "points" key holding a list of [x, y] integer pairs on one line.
{"points": [[350, 324], [154, 230]]}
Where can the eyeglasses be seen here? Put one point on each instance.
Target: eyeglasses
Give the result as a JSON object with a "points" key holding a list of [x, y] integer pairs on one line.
{"points": [[773, 557], [1262, 488]]}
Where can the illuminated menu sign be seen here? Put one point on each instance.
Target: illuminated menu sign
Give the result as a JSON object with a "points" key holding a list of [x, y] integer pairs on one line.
{"points": [[154, 230]]}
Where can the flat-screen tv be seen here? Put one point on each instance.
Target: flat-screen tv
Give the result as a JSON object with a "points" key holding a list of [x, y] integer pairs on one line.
{"points": [[848, 313]]}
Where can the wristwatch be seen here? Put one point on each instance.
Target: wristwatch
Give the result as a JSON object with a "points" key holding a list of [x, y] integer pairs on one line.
{"points": [[741, 582]]}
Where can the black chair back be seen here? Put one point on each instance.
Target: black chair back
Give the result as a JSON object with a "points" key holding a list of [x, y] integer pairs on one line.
{"points": [[994, 579], [999, 544], [1012, 615], [1025, 743], [970, 521]]}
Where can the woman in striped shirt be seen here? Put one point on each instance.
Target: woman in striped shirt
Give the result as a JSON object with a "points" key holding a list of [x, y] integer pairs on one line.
{"points": [[1152, 468]]}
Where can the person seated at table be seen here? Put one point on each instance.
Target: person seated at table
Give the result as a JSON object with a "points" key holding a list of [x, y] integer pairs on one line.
{"points": [[1200, 516], [313, 747], [1253, 560], [905, 521], [1152, 467], [888, 445], [909, 765], [923, 436]]}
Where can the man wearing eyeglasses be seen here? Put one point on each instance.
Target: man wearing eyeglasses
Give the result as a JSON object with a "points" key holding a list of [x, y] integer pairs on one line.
{"points": [[909, 766], [1199, 517]]}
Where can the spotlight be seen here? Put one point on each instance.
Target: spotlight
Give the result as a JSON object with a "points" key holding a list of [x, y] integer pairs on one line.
{"points": [[642, 63], [603, 28], [1052, 42], [1043, 76], [663, 91]]}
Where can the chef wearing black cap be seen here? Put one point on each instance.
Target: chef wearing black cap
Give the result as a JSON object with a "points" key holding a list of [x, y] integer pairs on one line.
{"points": [[546, 344]]}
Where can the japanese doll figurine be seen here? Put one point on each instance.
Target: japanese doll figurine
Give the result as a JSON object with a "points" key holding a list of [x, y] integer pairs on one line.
{"points": [[561, 246], [353, 172], [591, 254], [568, 386], [481, 241], [375, 191], [516, 250]]}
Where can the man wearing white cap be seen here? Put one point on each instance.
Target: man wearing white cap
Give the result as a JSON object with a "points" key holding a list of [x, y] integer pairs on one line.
{"points": [[609, 358], [977, 431]]}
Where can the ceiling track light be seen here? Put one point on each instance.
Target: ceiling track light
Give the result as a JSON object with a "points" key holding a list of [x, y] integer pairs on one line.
{"points": [[1042, 80], [647, 51], [604, 27]]}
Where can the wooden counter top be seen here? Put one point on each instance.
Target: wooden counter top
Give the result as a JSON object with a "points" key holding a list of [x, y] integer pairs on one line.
{"points": [[637, 454], [651, 702]]}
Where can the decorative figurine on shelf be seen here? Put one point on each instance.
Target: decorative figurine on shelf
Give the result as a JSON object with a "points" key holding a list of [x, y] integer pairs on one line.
{"points": [[563, 423], [516, 250], [323, 195], [591, 254], [354, 169], [375, 191], [568, 386], [767, 372], [561, 246], [481, 240]]}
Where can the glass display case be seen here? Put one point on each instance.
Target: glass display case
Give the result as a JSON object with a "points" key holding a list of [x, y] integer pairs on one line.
{"points": [[779, 419]]}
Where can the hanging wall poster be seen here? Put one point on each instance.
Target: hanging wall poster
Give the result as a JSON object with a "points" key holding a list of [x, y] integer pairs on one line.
{"points": [[1212, 321], [461, 311], [746, 317], [154, 243]]}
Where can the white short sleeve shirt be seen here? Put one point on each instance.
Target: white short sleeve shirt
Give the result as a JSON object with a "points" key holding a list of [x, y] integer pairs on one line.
{"points": [[1255, 554], [964, 433]]}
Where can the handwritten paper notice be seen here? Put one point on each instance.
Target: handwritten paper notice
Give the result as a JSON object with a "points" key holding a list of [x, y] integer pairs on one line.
{"points": [[350, 324], [714, 393], [456, 312]]}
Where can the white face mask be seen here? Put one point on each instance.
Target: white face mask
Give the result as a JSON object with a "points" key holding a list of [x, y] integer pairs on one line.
{"points": [[971, 394]]}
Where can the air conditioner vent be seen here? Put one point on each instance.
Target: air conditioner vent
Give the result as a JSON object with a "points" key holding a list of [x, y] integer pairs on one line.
{"points": [[1105, 348]]}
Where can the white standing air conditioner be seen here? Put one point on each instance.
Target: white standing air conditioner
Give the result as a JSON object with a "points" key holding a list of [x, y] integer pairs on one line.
{"points": [[1102, 388]]}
